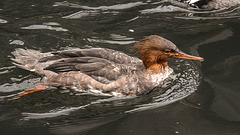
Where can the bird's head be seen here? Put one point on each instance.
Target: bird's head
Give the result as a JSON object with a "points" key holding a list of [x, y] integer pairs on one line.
{"points": [[155, 50]]}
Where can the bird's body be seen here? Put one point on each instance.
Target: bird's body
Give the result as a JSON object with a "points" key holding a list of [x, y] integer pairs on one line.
{"points": [[102, 69]]}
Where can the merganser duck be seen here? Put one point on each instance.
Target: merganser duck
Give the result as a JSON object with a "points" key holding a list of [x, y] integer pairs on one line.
{"points": [[212, 4], [103, 69]]}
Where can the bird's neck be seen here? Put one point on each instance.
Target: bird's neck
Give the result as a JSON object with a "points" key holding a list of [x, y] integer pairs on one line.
{"points": [[158, 68], [154, 64]]}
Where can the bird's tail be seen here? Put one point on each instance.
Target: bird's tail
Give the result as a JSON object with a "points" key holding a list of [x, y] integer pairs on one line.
{"points": [[29, 59], [26, 59]]}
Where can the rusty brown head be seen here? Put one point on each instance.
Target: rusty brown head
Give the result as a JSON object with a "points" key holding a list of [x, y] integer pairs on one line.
{"points": [[155, 50]]}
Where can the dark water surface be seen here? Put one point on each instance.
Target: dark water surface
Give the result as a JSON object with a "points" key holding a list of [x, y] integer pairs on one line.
{"points": [[199, 98]]}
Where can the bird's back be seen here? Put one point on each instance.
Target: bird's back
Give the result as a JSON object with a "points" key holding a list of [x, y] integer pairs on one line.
{"points": [[94, 67]]}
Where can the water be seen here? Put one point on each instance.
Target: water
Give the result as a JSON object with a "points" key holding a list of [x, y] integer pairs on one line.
{"points": [[199, 98]]}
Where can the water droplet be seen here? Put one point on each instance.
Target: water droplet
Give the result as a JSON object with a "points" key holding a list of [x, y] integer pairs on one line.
{"points": [[16, 42], [131, 30], [3, 21]]}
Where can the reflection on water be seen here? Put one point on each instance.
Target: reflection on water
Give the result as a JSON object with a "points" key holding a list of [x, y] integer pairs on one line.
{"points": [[80, 14], [116, 39], [208, 91], [46, 26], [3, 21], [113, 7]]}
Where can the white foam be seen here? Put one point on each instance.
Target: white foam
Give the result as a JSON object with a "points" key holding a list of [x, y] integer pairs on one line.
{"points": [[158, 78]]}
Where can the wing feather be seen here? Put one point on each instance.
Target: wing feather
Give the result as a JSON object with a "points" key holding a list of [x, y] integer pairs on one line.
{"points": [[107, 54], [106, 63]]}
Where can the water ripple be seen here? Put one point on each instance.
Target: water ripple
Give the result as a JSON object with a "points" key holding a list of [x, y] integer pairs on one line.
{"points": [[16, 42], [67, 110], [162, 9], [113, 7], [178, 86], [81, 14], [110, 41], [116, 39], [25, 84], [44, 26], [3, 21]]}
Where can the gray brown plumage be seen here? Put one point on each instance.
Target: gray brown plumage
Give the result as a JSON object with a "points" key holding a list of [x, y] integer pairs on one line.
{"points": [[104, 69]]}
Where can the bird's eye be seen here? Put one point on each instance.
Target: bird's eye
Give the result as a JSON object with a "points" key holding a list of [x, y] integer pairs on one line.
{"points": [[167, 51]]}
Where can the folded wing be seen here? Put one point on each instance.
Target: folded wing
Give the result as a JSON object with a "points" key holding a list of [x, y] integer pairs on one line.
{"points": [[99, 63]]}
